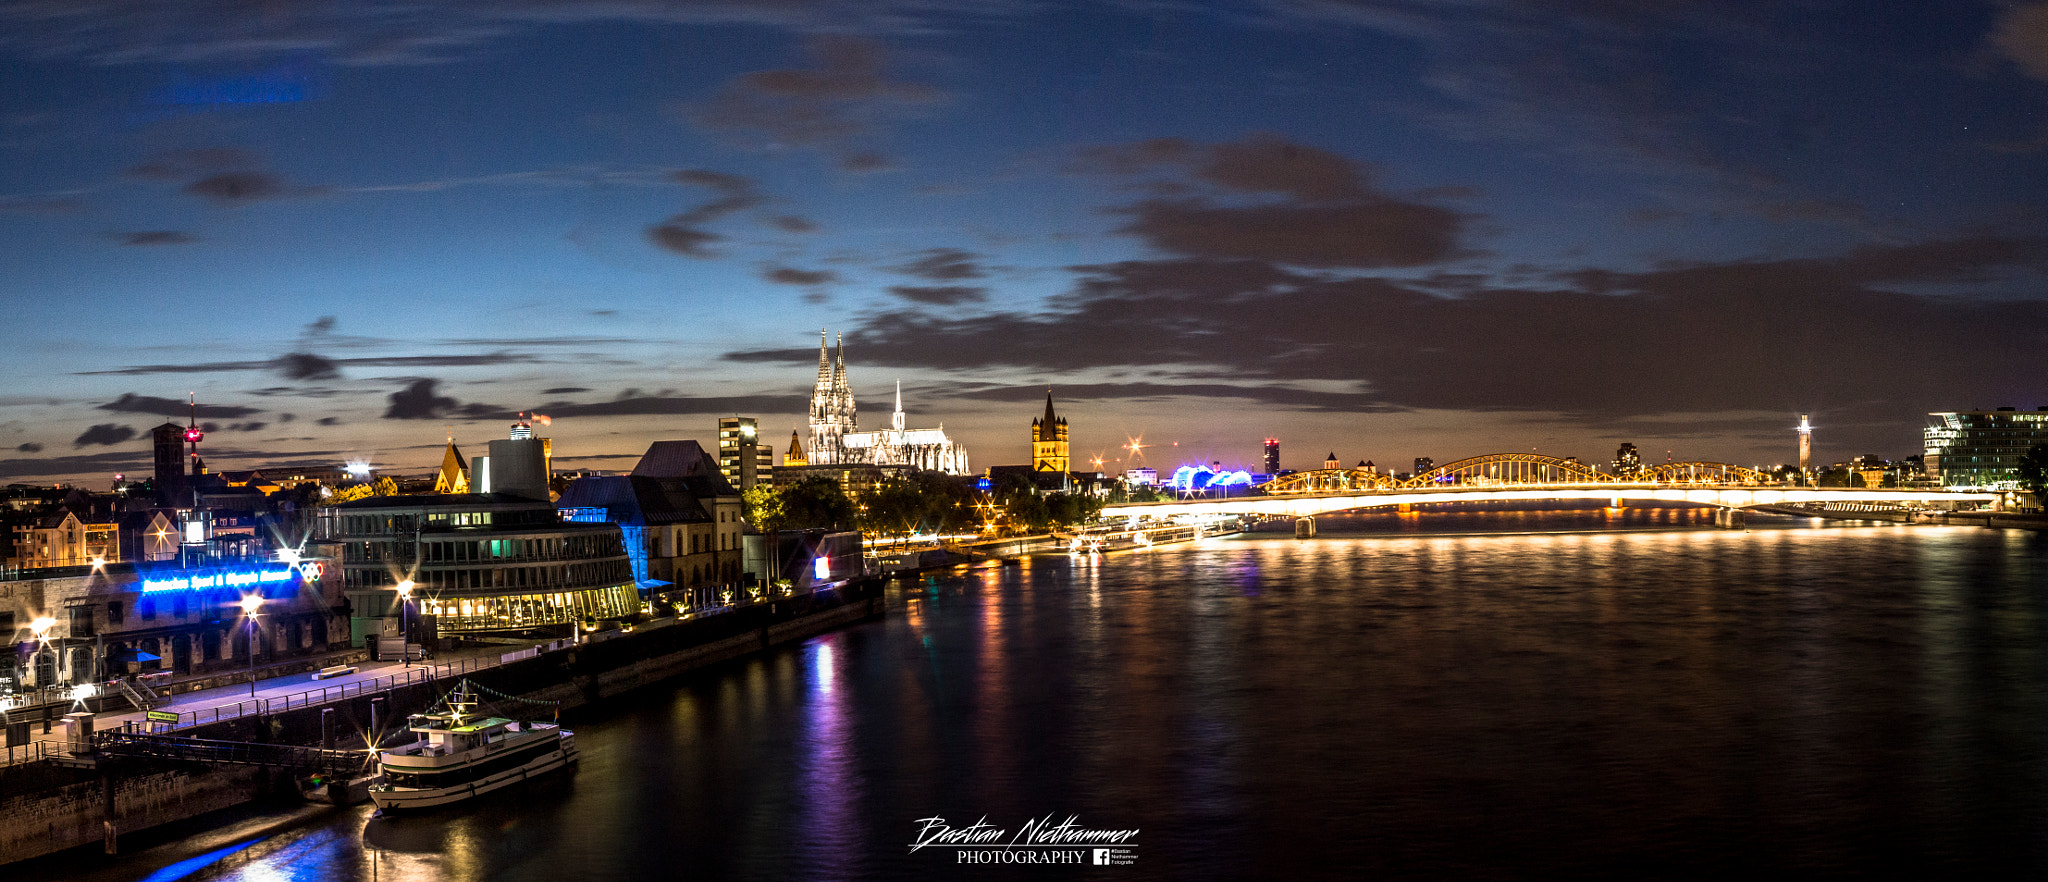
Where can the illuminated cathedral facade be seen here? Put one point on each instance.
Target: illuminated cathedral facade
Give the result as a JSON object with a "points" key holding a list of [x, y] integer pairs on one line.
{"points": [[837, 440]]}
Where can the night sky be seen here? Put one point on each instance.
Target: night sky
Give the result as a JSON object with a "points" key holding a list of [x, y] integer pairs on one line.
{"points": [[1388, 229]]}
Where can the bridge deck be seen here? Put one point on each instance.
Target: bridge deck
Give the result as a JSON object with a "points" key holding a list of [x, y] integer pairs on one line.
{"points": [[285, 756]]}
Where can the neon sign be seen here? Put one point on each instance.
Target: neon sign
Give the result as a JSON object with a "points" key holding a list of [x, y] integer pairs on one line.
{"points": [[201, 581]]}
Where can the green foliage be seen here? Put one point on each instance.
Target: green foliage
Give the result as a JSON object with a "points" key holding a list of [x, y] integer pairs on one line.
{"points": [[2032, 472], [922, 502], [763, 508], [816, 503]]}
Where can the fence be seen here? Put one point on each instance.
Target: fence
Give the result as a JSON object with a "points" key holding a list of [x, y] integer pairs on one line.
{"points": [[323, 695]]}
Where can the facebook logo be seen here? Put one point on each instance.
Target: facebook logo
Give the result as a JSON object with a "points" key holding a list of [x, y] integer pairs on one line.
{"points": [[1102, 857]]}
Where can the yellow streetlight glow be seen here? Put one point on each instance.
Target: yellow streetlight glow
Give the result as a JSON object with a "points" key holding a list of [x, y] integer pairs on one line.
{"points": [[250, 603]]}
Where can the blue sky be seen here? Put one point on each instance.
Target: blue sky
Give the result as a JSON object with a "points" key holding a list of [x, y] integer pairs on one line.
{"points": [[1388, 229]]}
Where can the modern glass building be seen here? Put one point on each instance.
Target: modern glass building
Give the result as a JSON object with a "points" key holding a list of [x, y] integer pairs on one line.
{"points": [[1981, 448], [478, 562]]}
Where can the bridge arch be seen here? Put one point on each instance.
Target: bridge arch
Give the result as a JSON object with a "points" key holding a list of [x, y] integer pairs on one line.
{"points": [[1510, 468], [1323, 480], [1719, 473]]}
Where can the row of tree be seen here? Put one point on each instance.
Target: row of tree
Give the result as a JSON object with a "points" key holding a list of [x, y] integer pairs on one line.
{"points": [[922, 503]]}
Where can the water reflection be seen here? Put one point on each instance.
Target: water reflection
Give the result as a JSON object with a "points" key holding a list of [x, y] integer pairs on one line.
{"points": [[1416, 702]]}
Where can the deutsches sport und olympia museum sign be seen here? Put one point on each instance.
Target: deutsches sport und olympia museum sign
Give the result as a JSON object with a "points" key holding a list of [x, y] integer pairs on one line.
{"points": [[1038, 841]]}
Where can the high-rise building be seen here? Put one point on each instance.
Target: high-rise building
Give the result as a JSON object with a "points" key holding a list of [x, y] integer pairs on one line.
{"points": [[1981, 448], [742, 458], [1628, 462], [1424, 465], [1272, 456], [1049, 440]]}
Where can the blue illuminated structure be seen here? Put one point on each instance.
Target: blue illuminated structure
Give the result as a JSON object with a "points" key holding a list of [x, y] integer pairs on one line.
{"points": [[1203, 478], [207, 579]]}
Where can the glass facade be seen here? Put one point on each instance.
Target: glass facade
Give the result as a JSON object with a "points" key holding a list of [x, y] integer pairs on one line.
{"points": [[1981, 448]]}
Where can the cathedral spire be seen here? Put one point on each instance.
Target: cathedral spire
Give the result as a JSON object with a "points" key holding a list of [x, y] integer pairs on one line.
{"points": [[896, 421]]}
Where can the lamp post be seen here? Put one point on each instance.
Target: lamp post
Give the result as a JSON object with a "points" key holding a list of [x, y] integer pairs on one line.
{"points": [[41, 628], [404, 634], [251, 603]]}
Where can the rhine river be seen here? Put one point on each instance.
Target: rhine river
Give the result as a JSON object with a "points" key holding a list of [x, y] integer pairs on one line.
{"points": [[1594, 693]]}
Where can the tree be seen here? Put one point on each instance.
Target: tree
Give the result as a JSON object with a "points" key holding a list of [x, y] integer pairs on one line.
{"points": [[2033, 470], [816, 503]]}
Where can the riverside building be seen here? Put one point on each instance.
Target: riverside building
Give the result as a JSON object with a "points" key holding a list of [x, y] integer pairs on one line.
{"points": [[498, 559], [1982, 448]]}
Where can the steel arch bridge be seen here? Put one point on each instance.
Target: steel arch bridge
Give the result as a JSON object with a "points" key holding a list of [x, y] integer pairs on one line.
{"points": [[1516, 469], [1531, 476]]}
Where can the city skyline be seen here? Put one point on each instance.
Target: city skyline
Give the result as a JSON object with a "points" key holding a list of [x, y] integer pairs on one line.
{"points": [[1388, 229]]}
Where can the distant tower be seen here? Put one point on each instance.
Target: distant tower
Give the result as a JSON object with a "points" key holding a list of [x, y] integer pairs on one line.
{"points": [[1272, 456], [170, 465], [896, 419], [1805, 445], [454, 474], [1627, 461], [1049, 440], [1330, 463], [795, 456]]}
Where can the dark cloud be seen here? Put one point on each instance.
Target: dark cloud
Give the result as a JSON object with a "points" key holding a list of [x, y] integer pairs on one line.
{"points": [[783, 275], [321, 326], [29, 447], [845, 96], [681, 233], [286, 417], [67, 467], [1357, 401], [285, 364], [178, 165], [682, 240], [1763, 335], [228, 188], [564, 390], [153, 237], [1362, 234], [940, 295], [942, 265], [247, 427], [329, 421], [865, 163], [790, 223], [168, 407], [418, 402], [1314, 208], [105, 434], [632, 403], [307, 366], [2022, 34]]}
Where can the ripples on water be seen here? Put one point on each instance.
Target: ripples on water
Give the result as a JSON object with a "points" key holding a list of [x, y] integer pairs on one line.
{"points": [[1862, 700]]}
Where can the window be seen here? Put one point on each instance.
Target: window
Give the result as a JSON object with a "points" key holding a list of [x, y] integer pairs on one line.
{"points": [[146, 607], [114, 616]]}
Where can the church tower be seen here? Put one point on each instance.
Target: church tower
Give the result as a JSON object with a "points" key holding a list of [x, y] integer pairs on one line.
{"points": [[795, 456], [1049, 440], [831, 406]]}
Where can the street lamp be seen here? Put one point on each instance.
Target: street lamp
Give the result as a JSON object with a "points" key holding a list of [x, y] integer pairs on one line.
{"points": [[404, 635], [41, 628], [250, 603]]}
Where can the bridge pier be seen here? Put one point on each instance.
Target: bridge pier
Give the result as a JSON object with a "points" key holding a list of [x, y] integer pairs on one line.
{"points": [[1304, 528], [1729, 518]]}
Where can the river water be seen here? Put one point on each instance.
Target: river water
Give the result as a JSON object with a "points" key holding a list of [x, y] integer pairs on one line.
{"points": [[1593, 693]]}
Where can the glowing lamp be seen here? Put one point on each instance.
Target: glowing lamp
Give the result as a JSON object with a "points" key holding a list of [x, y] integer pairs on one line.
{"points": [[82, 692], [41, 626], [405, 588], [822, 567], [251, 603], [193, 434]]}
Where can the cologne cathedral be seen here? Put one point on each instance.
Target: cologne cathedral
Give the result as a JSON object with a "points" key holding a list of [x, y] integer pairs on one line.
{"points": [[835, 439]]}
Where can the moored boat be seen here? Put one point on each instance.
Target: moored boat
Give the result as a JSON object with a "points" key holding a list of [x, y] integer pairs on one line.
{"points": [[463, 753]]}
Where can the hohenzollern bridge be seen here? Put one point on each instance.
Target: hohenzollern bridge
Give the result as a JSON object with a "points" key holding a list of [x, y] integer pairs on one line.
{"points": [[1530, 476]]}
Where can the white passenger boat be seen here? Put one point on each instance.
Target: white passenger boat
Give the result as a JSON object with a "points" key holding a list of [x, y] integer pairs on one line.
{"points": [[462, 753]]}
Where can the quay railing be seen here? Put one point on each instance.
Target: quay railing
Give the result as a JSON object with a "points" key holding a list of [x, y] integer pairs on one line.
{"points": [[317, 697], [33, 751]]}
